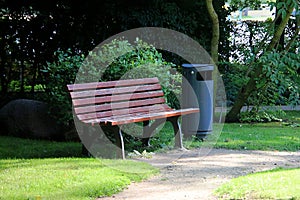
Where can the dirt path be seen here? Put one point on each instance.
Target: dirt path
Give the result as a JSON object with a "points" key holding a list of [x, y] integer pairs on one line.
{"points": [[190, 175]]}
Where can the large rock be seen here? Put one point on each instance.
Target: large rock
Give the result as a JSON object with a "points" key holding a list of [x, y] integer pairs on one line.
{"points": [[28, 119]]}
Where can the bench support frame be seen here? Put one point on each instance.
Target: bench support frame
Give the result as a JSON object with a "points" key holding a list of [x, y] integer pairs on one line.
{"points": [[148, 130]]}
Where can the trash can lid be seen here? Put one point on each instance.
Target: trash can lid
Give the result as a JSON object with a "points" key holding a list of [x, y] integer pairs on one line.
{"points": [[200, 67]]}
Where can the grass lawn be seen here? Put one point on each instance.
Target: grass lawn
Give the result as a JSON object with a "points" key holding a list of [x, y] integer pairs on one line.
{"points": [[11, 147], [280, 136], [274, 184], [272, 136], [32, 169], [29, 170], [67, 178]]}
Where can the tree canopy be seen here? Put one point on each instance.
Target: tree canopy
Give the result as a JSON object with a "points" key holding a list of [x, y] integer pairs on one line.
{"points": [[32, 30]]}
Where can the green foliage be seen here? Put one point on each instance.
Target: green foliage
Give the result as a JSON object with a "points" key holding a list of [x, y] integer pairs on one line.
{"points": [[32, 30], [140, 56], [239, 5], [281, 73], [116, 60], [282, 6], [234, 78], [15, 86], [255, 115], [120, 59], [279, 81], [266, 88], [58, 74]]}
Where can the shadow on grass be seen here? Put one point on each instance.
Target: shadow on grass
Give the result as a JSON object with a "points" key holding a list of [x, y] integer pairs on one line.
{"points": [[12, 147]]}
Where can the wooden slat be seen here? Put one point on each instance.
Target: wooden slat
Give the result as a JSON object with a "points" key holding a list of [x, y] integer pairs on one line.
{"points": [[119, 83], [153, 116], [118, 105], [138, 117], [125, 112], [114, 91], [113, 98]]}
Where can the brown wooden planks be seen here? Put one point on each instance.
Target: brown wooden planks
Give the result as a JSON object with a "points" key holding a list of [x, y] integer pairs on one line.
{"points": [[122, 102], [109, 84], [114, 91], [118, 105], [139, 117], [123, 112], [120, 97], [153, 116]]}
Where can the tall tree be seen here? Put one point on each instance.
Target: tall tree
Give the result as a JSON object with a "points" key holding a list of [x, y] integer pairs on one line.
{"points": [[215, 30], [284, 9]]}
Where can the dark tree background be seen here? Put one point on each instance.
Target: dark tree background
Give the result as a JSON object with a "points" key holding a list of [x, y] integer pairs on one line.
{"points": [[31, 31]]}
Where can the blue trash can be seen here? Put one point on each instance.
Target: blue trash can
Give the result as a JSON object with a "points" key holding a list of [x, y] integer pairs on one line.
{"points": [[197, 91]]}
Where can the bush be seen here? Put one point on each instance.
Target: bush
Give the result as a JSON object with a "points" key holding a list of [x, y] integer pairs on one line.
{"points": [[57, 75], [254, 115], [124, 60], [137, 60], [234, 78]]}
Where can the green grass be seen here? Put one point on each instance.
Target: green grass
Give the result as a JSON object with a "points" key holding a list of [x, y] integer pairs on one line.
{"points": [[34, 169], [11, 147], [269, 136], [272, 136], [67, 178], [274, 184]]}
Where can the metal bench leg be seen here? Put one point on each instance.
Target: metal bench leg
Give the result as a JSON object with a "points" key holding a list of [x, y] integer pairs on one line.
{"points": [[87, 141], [149, 129], [177, 131], [119, 143], [146, 133], [122, 143]]}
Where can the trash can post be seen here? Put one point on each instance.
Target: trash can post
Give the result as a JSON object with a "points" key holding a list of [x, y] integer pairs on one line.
{"points": [[197, 91]]}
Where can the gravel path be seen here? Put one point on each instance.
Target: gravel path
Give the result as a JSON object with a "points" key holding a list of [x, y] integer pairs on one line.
{"points": [[190, 175]]}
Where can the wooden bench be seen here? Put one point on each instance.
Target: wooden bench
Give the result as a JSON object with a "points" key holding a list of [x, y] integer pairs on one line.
{"points": [[115, 103]]}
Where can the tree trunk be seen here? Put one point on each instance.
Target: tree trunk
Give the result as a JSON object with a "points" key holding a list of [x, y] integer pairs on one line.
{"points": [[278, 20], [215, 30], [214, 45], [250, 87]]}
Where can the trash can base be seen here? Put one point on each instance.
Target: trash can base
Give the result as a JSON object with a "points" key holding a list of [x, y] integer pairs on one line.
{"points": [[203, 135], [199, 135]]}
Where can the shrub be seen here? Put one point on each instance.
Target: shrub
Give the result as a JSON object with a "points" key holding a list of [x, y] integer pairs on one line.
{"points": [[255, 115], [57, 75], [137, 60], [125, 60]]}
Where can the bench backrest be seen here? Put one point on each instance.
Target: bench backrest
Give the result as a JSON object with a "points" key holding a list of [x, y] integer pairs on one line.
{"points": [[116, 98]]}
